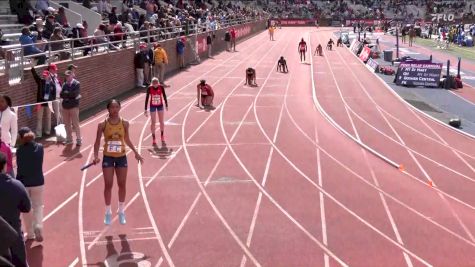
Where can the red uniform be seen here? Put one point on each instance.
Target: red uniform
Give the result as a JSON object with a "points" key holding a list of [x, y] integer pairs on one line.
{"points": [[206, 90], [157, 96]]}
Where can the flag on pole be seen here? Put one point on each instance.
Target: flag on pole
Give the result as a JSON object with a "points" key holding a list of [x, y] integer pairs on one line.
{"points": [[28, 111]]}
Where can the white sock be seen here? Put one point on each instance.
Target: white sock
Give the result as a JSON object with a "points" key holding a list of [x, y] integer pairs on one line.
{"points": [[121, 206], [108, 209]]}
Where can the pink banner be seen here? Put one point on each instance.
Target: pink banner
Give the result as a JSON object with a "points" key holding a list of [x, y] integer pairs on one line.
{"points": [[365, 54], [201, 45]]}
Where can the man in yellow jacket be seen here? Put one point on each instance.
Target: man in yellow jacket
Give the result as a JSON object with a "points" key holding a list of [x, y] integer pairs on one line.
{"points": [[160, 58]]}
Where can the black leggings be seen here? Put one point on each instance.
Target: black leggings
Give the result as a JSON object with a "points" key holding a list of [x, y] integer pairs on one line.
{"points": [[302, 54]]}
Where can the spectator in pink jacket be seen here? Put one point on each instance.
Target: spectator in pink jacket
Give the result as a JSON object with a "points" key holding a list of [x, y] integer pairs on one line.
{"points": [[5, 149]]}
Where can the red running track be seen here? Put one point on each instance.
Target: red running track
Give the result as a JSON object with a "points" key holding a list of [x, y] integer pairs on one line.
{"points": [[266, 179]]}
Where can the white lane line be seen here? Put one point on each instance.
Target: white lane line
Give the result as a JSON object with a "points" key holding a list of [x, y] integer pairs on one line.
{"points": [[95, 178], [75, 261], [67, 160], [370, 168], [218, 162], [262, 189], [105, 242], [130, 101], [106, 228], [87, 185], [421, 168], [210, 201], [326, 258], [161, 168], [421, 215], [60, 206], [264, 178], [136, 196], [147, 204], [442, 141], [203, 191], [80, 214]]}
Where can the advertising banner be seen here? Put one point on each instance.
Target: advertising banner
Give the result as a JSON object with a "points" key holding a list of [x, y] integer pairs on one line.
{"points": [[372, 64], [419, 74], [365, 54], [355, 46]]}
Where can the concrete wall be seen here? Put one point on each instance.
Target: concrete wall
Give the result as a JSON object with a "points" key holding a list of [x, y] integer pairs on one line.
{"points": [[105, 76]]}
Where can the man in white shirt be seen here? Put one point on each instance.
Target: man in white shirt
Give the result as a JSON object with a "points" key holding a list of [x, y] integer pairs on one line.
{"points": [[8, 122], [53, 70]]}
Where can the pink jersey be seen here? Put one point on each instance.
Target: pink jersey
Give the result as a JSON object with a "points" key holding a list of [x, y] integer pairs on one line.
{"points": [[5, 149]]}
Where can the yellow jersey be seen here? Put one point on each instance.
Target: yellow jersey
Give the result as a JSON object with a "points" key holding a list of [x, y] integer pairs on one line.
{"points": [[114, 142]]}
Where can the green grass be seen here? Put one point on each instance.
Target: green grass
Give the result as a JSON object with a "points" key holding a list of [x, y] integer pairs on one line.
{"points": [[455, 50]]}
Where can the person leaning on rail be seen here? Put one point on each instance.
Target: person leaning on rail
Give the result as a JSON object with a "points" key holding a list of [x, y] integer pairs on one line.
{"points": [[46, 92], [28, 42]]}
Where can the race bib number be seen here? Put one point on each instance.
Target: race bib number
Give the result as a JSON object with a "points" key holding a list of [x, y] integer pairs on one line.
{"points": [[114, 146], [46, 96], [156, 100]]}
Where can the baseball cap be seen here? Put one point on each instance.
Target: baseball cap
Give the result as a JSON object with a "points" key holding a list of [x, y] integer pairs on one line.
{"points": [[52, 66], [80, 26]]}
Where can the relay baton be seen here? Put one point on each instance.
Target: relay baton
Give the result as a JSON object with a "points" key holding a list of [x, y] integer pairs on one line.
{"points": [[87, 166]]}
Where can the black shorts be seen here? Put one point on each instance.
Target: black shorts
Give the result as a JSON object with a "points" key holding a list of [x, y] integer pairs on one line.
{"points": [[114, 162]]}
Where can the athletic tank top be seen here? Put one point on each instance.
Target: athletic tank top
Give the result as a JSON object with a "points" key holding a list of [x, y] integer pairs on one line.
{"points": [[204, 89], [114, 144], [302, 46], [155, 96]]}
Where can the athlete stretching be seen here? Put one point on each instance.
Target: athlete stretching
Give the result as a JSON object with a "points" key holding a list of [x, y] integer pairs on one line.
{"points": [[156, 94], [302, 49], [116, 136]]}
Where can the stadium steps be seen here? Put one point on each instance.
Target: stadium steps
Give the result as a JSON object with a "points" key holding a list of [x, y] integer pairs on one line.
{"points": [[8, 22], [11, 28]]}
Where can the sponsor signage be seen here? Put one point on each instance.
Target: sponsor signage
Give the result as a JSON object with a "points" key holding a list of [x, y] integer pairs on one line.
{"points": [[372, 64], [436, 17], [355, 46], [419, 74], [365, 54]]}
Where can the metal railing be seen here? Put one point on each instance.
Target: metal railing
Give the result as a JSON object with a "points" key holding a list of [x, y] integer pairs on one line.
{"points": [[74, 48]]}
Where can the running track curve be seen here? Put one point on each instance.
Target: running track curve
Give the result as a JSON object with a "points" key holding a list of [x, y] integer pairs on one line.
{"points": [[269, 178]]}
